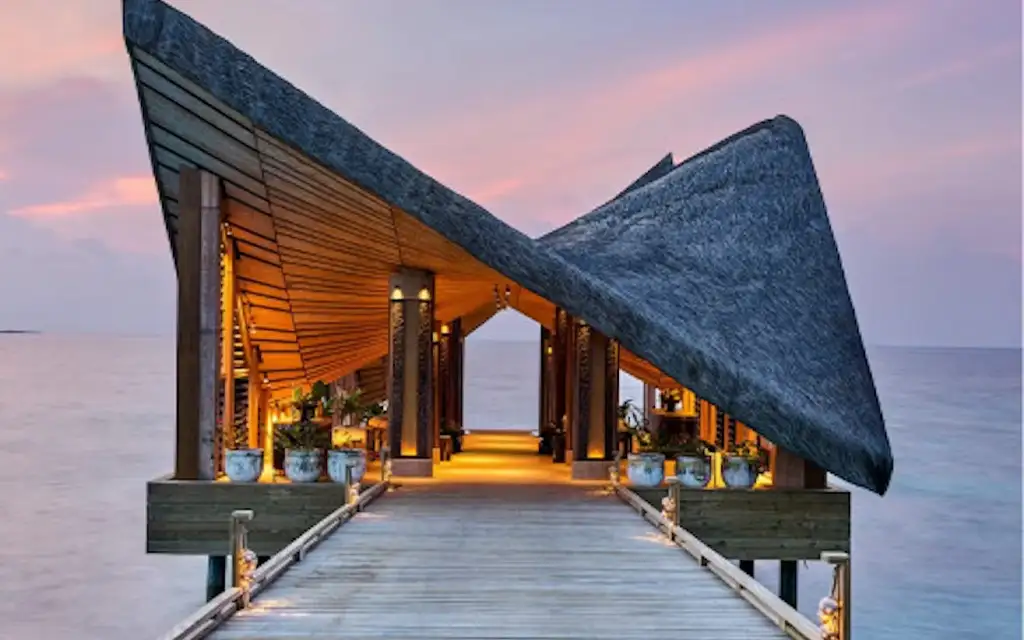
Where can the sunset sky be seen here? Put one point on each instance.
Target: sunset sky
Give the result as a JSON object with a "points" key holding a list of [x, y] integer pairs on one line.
{"points": [[540, 111]]}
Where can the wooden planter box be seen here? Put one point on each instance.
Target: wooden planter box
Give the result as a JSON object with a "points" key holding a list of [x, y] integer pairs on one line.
{"points": [[762, 524], [191, 517]]}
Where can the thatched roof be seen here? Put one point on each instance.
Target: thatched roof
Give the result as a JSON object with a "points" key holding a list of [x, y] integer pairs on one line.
{"points": [[722, 272]]}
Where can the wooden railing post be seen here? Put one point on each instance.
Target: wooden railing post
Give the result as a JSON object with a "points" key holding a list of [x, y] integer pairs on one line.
{"points": [[243, 560], [670, 506], [834, 610]]}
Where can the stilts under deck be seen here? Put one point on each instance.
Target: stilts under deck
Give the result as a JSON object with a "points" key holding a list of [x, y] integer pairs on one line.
{"points": [[499, 545]]}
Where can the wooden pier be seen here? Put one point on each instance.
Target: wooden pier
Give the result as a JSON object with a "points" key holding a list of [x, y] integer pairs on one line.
{"points": [[477, 553]]}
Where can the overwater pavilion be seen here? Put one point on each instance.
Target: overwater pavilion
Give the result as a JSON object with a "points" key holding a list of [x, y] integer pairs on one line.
{"points": [[306, 251]]}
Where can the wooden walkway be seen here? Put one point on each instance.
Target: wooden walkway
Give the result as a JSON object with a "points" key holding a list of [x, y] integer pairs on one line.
{"points": [[474, 561]]}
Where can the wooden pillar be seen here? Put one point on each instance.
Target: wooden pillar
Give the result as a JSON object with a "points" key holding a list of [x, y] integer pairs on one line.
{"points": [[255, 398], [227, 342], [560, 375], [594, 403], [411, 372], [199, 289], [458, 342], [543, 396], [791, 471]]}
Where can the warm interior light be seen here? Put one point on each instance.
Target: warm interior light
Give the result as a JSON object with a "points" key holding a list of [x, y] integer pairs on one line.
{"points": [[549, 350], [445, 329], [396, 294], [435, 336], [424, 294]]}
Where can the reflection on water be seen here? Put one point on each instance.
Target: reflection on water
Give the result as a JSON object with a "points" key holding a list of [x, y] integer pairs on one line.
{"points": [[87, 420]]}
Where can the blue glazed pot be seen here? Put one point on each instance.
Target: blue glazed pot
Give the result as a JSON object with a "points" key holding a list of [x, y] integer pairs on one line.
{"points": [[646, 469]]}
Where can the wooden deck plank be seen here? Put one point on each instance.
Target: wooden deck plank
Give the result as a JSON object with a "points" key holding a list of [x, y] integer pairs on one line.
{"points": [[449, 560]]}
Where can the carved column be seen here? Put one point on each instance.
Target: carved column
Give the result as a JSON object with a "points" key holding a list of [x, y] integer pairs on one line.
{"points": [[595, 402], [562, 378], [411, 372], [544, 395]]}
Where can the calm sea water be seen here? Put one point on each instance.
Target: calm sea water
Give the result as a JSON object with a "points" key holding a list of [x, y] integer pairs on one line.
{"points": [[85, 421]]}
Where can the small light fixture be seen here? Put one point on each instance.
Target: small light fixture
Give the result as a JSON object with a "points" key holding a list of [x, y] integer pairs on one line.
{"points": [[396, 293], [445, 330], [424, 294]]}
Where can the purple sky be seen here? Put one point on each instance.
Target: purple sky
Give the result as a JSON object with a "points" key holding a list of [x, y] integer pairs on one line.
{"points": [[540, 111]]}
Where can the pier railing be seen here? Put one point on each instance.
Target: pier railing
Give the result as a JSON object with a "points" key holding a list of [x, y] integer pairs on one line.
{"points": [[246, 584], [791, 621]]}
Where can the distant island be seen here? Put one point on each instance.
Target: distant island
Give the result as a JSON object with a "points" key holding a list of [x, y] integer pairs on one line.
{"points": [[18, 331]]}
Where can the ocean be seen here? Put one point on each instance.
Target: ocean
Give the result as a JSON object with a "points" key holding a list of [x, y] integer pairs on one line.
{"points": [[85, 421]]}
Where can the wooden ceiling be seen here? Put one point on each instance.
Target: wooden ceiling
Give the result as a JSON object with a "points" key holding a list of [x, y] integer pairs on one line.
{"points": [[314, 251]]}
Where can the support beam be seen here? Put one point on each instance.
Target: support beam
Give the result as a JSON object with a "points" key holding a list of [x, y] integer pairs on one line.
{"points": [[791, 471], [543, 396], [411, 372], [216, 576], [198, 264], [227, 341], [562, 382], [595, 402]]}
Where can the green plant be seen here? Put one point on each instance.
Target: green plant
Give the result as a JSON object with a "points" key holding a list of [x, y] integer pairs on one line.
{"points": [[240, 437], [303, 435], [349, 404], [344, 441], [694, 447], [749, 451], [375, 410]]}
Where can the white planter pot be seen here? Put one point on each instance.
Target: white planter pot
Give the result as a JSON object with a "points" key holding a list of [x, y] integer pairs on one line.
{"points": [[693, 471], [243, 465], [303, 465], [646, 469], [339, 459], [737, 472]]}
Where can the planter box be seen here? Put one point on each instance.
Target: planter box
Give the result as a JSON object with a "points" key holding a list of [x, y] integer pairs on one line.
{"points": [[190, 517], [762, 524]]}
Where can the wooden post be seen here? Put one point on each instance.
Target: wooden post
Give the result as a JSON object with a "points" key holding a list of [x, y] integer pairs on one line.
{"points": [[198, 249], [227, 339], [841, 565], [542, 396], [792, 471], [411, 372], [256, 400], [216, 576]]}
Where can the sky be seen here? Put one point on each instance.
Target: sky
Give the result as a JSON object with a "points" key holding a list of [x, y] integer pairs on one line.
{"points": [[540, 112]]}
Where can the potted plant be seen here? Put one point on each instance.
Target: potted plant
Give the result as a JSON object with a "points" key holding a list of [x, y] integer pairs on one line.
{"points": [[629, 414], [693, 463], [741, 464], [646, 468], [343, 455], [242, 464], [303, 444], [558, 441], [670, 399], [349, 405], [453, 430]]}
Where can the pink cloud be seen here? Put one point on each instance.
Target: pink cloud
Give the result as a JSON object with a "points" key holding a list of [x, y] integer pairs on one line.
{"points": [[963, 66], [3, 175], [118, 192], [39, 42], [578, 135]]}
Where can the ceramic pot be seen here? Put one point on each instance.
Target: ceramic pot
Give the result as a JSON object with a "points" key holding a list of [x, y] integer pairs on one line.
{"points": [[693, 472], [303, 465], [646, 469], [339, 459], [243, 465], [737, 472]]}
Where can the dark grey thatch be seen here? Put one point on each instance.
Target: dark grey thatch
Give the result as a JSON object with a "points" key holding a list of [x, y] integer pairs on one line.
{"points": [[722, 272]]}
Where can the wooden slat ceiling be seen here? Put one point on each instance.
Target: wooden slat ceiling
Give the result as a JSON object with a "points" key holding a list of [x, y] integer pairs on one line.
{"points": [[315, 252]]}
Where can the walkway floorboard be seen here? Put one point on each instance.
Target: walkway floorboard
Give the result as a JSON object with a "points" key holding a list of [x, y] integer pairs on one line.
{"points": [[498, 561]]}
